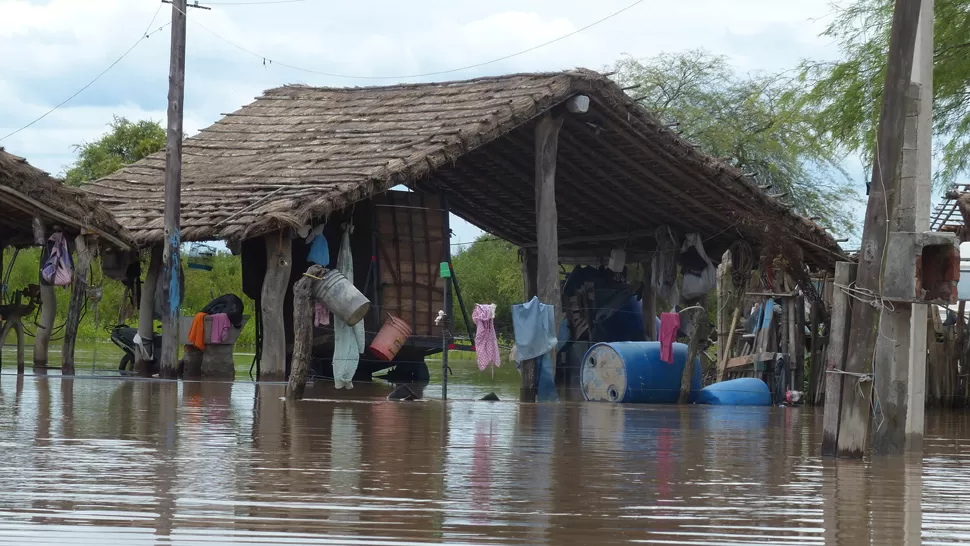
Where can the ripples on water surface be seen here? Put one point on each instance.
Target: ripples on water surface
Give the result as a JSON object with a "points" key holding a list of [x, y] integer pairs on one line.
{"points": [[103, 461]]}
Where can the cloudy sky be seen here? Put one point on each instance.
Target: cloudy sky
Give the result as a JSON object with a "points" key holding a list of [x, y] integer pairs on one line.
{"points": [[54, 47]]}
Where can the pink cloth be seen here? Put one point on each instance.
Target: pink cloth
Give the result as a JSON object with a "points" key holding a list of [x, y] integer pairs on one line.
{"points": [[669, 324], [321, 315], [486, 342], [220, 327]]}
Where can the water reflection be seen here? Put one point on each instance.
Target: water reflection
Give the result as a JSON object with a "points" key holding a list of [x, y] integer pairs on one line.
{"points": [[148, 462]]}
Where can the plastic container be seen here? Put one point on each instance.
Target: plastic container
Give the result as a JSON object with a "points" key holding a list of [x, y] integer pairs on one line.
{"points": [[744, 391], [632, 372], [341, 297], [394, 333]]}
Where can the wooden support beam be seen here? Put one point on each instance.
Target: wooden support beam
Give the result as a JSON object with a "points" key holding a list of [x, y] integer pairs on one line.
{"points": [[48, 304], [724, 298], [856, 402], [79, 294], [835, 357], [30, 205], [722, 364], [547, 220], [527, 368], [649, 302], [815, 368], [279, 249], [146, 313], [699, 331], [798, 349], [302, 332]]}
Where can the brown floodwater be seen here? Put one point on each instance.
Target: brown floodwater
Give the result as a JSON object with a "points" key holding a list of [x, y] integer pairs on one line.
{"points": [[112, 461]]}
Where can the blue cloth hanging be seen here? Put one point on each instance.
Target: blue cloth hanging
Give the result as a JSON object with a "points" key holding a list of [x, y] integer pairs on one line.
{"points": [[534, 324], [319, 251]]}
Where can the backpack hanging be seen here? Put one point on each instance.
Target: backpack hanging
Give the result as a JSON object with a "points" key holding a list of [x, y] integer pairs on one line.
{"points": [[58, 268]]}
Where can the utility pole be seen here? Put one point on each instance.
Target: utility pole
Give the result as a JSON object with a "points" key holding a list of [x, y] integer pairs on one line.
{"points": [[865, 322], [171, 259]]}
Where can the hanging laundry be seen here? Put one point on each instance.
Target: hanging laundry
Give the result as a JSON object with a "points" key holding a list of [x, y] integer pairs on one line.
{"points": [[664, 266], [700, 275], [57, 268], [348, 340], [534, 326], [197, 331], [669, 324], [220, 327], [321, 315], [546, 379], [486, 342], [319, 251]]}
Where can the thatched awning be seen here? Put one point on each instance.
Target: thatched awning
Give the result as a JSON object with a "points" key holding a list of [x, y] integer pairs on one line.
{"points": [[299, 152], [27, 192]]}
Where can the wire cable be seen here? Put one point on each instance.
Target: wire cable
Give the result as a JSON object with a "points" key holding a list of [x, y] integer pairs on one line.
{"points": [[269, 60], [144, 36]]}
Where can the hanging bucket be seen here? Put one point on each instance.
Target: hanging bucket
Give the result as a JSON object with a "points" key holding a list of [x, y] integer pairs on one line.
{"points": [[390, 339], [341, 297]]}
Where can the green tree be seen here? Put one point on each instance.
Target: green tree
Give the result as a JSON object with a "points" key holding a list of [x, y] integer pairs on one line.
{"points": [[847, 93], [757, 122], [489, 272], [125, 143]]}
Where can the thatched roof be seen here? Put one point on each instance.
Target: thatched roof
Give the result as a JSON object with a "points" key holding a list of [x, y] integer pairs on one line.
{"points": [[300, 152], [26, 192]]}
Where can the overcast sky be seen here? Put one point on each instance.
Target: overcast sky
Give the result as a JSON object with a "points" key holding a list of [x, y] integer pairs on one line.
{"points": [[52, 48]]}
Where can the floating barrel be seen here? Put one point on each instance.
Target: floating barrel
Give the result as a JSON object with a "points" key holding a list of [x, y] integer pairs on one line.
{"points": [[632, 372], [744, 391]]}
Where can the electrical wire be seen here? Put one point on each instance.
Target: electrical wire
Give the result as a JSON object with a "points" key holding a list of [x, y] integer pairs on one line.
{"points": [[268, 60], [144, 36], [257, 3]]}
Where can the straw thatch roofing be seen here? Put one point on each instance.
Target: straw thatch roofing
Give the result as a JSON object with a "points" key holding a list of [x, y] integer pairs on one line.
{"points": [[26, 192], [300, 152]]}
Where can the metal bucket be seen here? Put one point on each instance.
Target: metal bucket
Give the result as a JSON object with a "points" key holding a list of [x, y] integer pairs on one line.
{"points": [[341, 297]]}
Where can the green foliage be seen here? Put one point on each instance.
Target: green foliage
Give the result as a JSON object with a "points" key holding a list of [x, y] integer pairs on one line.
{"points": [[125, 143], [200, 288], [489, 272], [758, 122], [847, 94]]}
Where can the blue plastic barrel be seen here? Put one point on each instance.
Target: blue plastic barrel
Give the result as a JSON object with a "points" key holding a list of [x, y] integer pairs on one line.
{"points": [[744, 391], [631, 372]]}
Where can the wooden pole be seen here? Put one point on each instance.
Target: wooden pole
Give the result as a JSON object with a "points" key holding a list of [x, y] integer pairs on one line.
{"points": [[171, 262], [547, 220], [527, 368], [698, 332], [649, 303], [854, 426], [722, 364], [279, 249], [302, 332], [799, 312], [48, 305], [146, 313], [815, 368], [724, 284], [835, 357], [79, 294]]}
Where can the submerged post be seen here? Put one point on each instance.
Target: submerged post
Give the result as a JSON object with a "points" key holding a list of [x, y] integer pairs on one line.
{"points": [[302, 332], [698, 333], [146, 314], [527, 368], [48, 304], [79, 293], [173, 196], [279, 249], [856, 402]]}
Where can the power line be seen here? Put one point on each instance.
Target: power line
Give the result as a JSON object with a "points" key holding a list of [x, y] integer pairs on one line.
{"points": [[144, 36], [269, 60], [257, 3]]}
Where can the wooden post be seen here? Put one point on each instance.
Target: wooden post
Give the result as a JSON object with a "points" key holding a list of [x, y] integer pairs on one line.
{"points": [[48, 305], [527, 368], [817, 374], [146, 313], [722, 364], [856, 401], [649, 303], [725, 282], [79, 293], [547, 220], [799, 321], [279, 249], [302, 332], [171, 262], [835, 357], [699, 330]]}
